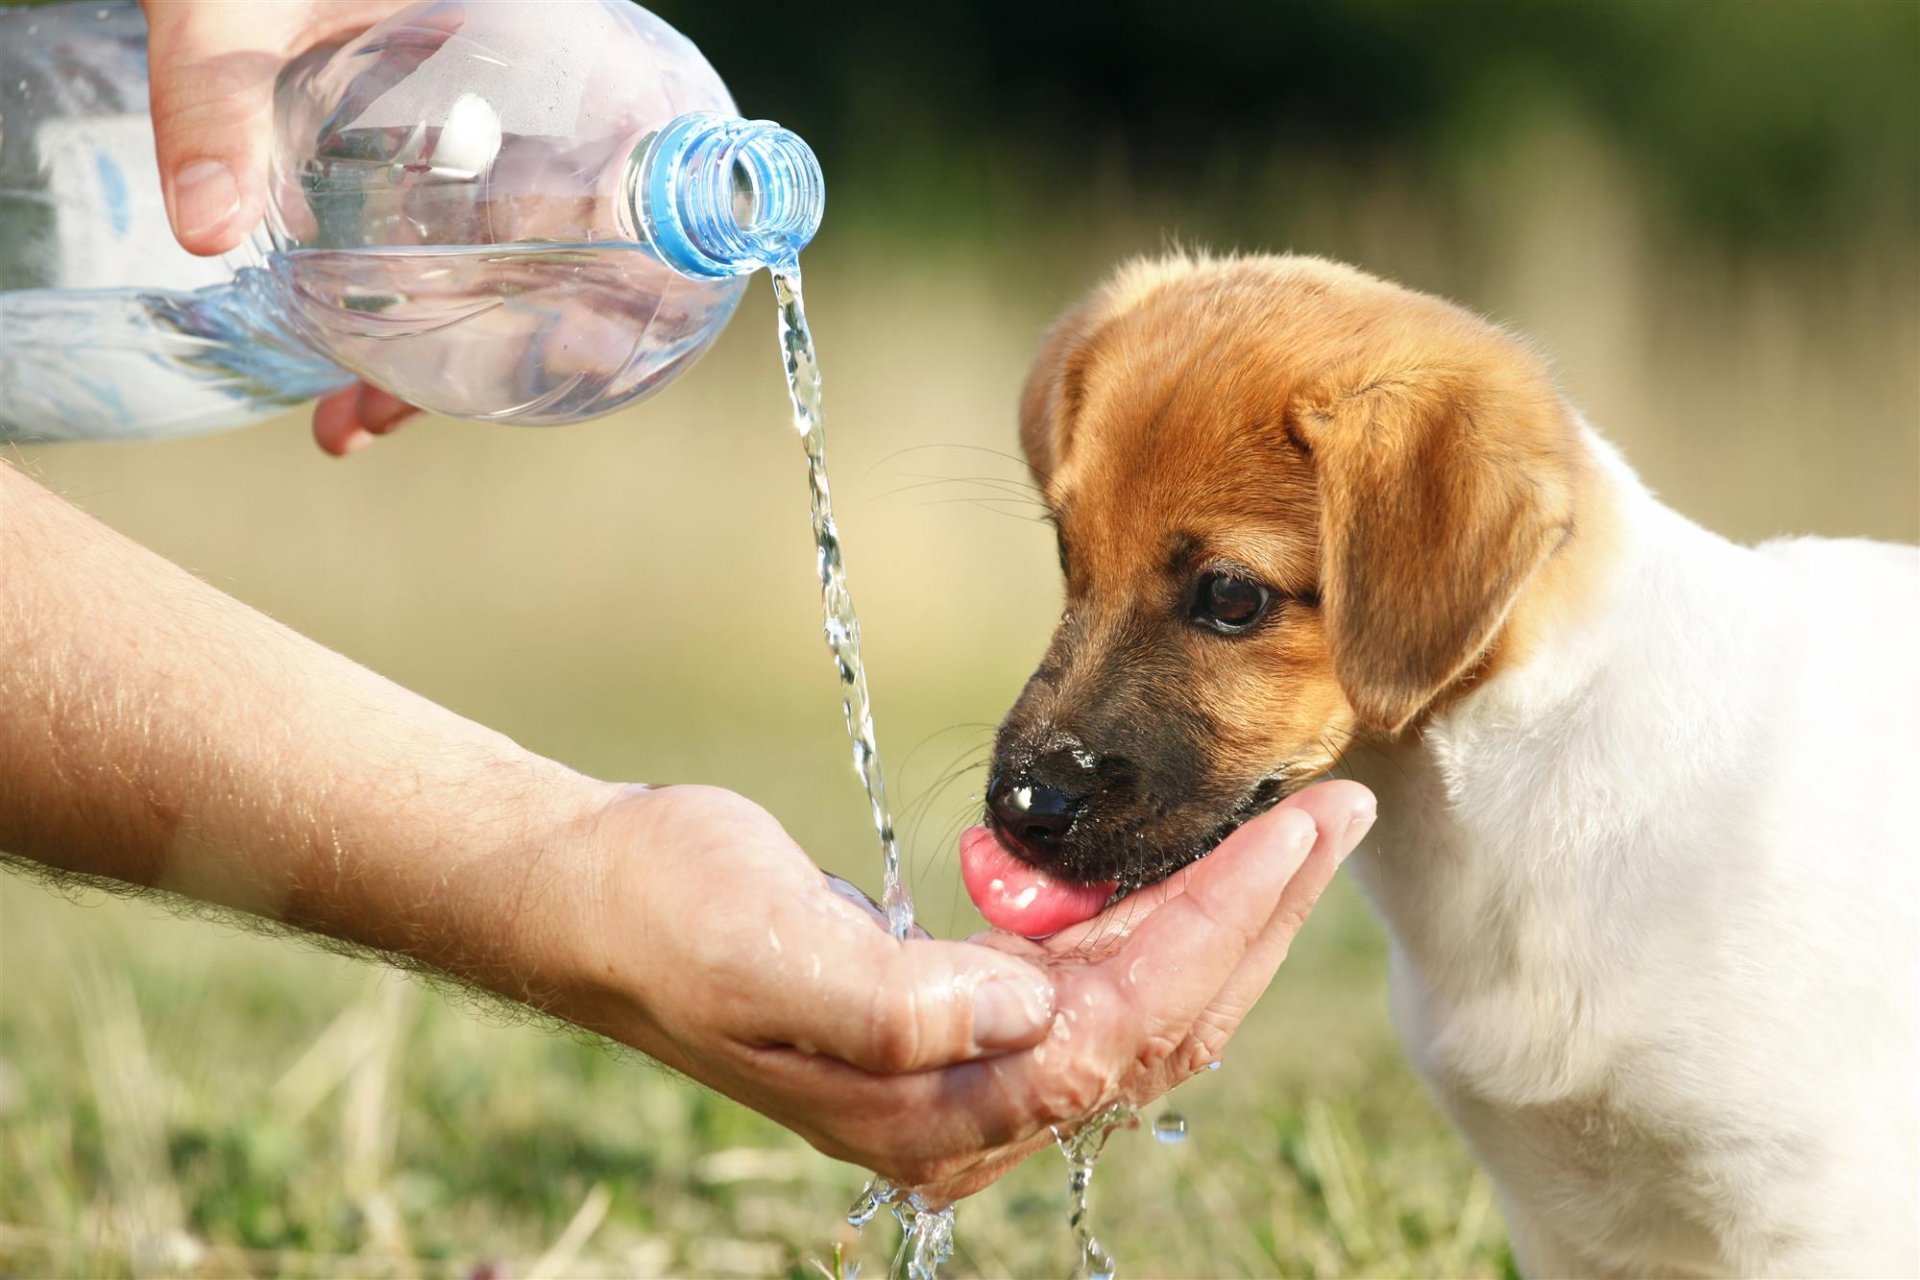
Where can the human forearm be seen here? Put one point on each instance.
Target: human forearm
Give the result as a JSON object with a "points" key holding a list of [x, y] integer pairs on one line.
{"points": [[156, 731]]}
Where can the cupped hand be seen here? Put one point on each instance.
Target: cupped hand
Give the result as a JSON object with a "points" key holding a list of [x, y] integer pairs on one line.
{"points": [[724, 952], [211, 65], [720, 949]]}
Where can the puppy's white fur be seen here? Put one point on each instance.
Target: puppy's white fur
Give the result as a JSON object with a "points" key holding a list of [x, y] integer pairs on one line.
{"points": [[1652, 895]]}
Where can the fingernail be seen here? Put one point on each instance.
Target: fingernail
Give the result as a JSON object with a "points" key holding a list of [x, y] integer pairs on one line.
{"points": [[1009, 1012], [204, 196], [1357, 827], [359, 440]]}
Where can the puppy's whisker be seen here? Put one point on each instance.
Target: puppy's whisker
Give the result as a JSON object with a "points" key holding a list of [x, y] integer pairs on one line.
{"points": [[969, 726], [914, 814], [1012, 488], [971, 448], [987, 504], [1024, 488]]}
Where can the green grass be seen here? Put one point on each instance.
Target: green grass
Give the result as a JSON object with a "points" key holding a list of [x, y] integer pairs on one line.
{"points": [[263, 1110], [634, 597]]}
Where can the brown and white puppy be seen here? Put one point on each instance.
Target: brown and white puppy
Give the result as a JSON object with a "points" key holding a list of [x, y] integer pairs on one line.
{"points": [[1652, 899]]}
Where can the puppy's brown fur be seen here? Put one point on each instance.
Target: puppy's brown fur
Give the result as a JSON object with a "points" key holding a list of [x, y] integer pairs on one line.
{"points": [[1397, 471]]}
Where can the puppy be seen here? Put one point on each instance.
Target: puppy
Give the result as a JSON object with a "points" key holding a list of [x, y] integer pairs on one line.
{"points": [[1646, 848]]}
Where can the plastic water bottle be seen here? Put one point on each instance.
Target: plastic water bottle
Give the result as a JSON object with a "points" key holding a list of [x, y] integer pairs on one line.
{"points": [[519, 212]]}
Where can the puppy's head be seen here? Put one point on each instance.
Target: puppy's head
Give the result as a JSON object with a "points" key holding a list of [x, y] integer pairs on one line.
{"points": [[1296, 506]]}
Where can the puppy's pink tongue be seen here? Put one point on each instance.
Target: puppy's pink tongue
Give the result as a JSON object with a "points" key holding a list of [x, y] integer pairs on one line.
{"points": [[1019, 898]]}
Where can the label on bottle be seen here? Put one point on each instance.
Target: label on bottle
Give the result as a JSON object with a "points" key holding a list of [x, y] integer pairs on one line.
{"points": [[110, 223]]}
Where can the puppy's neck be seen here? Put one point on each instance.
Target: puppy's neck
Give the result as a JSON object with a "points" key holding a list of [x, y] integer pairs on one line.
{"points": [[1604, 695], [1614, 584], [1549, 819]]}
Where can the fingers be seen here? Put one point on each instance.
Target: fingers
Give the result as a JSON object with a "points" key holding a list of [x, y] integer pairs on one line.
{"points": [[918, 1129], [1327, 803], [349, 419], [211, 82], [336, 423], [381, 412], [890, 1007], [1343, 812], [1178, 986], [1178, 957]]}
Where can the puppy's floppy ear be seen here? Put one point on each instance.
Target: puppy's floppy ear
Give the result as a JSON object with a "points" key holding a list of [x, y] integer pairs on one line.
{"points": [[1050, 400], [1441, 493]]}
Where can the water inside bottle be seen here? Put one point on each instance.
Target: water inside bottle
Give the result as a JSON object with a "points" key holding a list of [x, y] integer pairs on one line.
{"points": [[531, 332], [113, 363]]}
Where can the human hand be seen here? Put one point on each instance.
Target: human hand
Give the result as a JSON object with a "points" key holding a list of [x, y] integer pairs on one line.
{"points": [[211, 66], [1151, 989], [722, 951]]}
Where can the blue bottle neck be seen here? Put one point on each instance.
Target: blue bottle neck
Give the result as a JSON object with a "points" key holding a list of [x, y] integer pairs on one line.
{"points": [[715, 196]]}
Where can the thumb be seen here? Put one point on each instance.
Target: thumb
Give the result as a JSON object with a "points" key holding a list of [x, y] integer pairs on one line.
{"points": [[894, 1007], [212, 73]]}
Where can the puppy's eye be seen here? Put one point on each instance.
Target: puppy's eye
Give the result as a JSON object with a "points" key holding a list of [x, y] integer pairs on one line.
{"points": [[1228, 604]]}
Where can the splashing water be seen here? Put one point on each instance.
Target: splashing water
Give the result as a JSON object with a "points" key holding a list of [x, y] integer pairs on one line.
{"points": [[1082, 1147], [1170, 1127], [926, 1234]]}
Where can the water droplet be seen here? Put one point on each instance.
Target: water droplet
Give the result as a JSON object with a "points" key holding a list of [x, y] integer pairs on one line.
{"points": [[1170, 1127], [1213, 1066]]}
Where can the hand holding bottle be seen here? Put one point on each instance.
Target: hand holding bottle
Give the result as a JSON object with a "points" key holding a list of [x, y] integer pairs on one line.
{"points": [[212, 68], [516, 213]]}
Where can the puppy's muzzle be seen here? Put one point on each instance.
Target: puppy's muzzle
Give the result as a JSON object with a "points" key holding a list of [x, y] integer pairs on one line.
{"points": [[1034, 807]]}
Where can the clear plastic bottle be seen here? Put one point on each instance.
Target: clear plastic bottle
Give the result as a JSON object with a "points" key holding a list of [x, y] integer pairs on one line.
{"points": [[520, 212]]}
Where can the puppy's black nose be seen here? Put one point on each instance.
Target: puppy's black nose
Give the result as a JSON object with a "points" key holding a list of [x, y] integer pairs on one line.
{"points": [[1031, 814], [1036, 807]]}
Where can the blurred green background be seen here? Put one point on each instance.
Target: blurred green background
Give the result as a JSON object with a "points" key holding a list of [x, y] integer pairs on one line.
{"points": [[1708, 214]]}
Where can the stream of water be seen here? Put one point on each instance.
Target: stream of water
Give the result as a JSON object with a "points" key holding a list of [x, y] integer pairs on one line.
{"points": [[926, 1233], [842, 623]]}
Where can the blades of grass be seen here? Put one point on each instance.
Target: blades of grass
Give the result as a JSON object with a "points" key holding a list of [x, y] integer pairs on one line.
{"points": [[145, 1211], [370, 1117], [579, 1229], [1333, 1149], [324, 1066], [1476, 1214]]}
